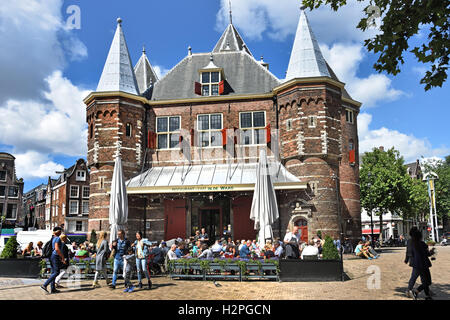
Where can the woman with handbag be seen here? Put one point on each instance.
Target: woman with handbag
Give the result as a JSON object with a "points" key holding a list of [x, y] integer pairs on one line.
{"points": [[100, 259]]}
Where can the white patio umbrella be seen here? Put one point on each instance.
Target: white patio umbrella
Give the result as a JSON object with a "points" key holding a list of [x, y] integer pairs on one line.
{"points": [[264, 209], [118, 203]]}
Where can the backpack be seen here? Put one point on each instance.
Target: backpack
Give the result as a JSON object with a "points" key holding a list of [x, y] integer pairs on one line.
{"points": [[47, 249]]}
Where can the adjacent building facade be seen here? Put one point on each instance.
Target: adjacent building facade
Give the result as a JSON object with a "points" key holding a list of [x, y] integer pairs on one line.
{"points": [[34, 207], [67, 199], [190, 142], [11, 191]]}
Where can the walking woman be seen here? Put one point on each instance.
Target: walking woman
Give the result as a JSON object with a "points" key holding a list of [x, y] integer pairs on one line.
{"points": [[100, 259], [417, 254], [64, 266], [142, 252]]}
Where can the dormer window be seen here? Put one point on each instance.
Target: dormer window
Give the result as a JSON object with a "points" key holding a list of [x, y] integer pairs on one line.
{"points": [[210, 83]]}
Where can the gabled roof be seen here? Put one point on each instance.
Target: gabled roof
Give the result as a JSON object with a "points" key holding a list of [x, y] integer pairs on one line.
{"points": [[145, 74], [243, 75], [118, 73], [231, 40], [306, 58]]}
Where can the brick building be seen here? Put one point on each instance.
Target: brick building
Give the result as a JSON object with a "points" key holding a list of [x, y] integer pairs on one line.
{"points": [[190, 141], [67, 199], [11, 191], [33, 208]]}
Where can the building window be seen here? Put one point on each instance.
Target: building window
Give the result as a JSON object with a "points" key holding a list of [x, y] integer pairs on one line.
{"points": [[91, 130], [11, 211], [102, 182], [64, 209], [313, 185], [81, 175], [73, 207], [312, 121], [349, 116], [13, 192], [1, 209], [128, 130], [74, 191], [252, 126], [85, 207], [209, 128], [85, 192], [2, 191], [168, 131], [351, 145], [210, 83], [79, 226], [2, 175], [57, 194], [289, 125]]}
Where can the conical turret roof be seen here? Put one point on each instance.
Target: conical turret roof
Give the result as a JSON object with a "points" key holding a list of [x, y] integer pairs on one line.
{"points": [[118, 73], [145, 74], [231, 40]]}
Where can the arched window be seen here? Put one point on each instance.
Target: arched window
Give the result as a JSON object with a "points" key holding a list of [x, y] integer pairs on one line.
{"points": [[91, 130], [128, 130], [351, 145]]}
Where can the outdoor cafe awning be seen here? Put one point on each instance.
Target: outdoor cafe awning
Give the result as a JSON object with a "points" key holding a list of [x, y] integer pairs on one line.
{"points": [[209, 178]]}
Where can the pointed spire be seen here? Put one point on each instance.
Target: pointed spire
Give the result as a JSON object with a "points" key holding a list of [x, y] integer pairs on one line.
{"points": [[231, 13], [145, 74], [118, 74], [306, 58]]}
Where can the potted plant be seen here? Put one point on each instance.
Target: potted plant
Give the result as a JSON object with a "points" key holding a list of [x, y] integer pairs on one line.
{"points": [[10, 266]]}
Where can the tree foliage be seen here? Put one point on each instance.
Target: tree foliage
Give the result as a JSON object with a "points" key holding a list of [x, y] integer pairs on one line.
{"points": [[401, 20], [330, 252], [418, 202], [10, 249]]}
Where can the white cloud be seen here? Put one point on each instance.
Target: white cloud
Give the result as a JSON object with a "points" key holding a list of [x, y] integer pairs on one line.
{"points": [[57, 126], [32, 165], [410, 147], [160, 71], [34, 41], [345, 60]]}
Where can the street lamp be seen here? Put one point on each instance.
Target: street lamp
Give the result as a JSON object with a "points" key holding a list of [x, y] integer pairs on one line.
{"points": [[429, 177]]}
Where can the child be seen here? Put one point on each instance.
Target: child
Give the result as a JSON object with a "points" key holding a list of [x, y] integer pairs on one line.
{"points": [[129, 264]]}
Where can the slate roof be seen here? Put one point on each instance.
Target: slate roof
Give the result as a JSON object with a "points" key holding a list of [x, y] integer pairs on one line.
{"points": [[118, 73], [306, 58], [243, 75], [414, 168], [145, 74], [231, 40]]}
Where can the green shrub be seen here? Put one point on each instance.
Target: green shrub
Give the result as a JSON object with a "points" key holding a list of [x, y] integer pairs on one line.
{"points": [[431, 243], [10, 249], [329, 251]]}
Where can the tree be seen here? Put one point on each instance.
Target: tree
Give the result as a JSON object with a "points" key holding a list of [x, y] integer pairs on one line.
{"points": [[400, 21], [442, 187], [10, 249], [330, 252], [385, 185], [418, 202]]}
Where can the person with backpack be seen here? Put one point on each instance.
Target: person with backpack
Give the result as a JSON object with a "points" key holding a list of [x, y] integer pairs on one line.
{"points": [[65, 251], [56, 259], [101, 257]]}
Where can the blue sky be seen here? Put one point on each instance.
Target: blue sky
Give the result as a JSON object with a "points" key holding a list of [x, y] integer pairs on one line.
{"points": [[52, 68]]}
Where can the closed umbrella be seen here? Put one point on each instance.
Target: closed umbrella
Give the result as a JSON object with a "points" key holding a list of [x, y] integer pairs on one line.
{"points": [[264, 209], [118, 203]]}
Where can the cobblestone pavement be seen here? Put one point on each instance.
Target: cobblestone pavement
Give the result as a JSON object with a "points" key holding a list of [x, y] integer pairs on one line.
{"points": [[394, 277]]}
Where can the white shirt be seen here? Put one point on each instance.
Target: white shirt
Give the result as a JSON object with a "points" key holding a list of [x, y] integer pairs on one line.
{"points": [[290, 235], [216, 247], [310, 251], [172, 255]]}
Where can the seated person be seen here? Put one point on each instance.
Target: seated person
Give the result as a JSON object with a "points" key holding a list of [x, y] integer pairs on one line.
{"points": [[319, 246], [181, 250], [82, 252], [206, 252], [171, 253], [278, 249], [370, 250], [216, 248], [28, 251], [203, 237], [197, 236], [38, 249], [245, 250], [361, 252], [230, 252], [268, 251], [73, 250], [310, 250]]}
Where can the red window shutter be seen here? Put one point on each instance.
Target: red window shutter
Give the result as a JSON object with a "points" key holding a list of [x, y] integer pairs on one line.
{"points": [[221, 87], [268, 134], [198, 88], [224, 137], [151, 140], [235, 136], [351, 156], [192, 137]]}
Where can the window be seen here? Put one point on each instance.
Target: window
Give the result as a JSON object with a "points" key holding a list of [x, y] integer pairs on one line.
{"points": [[85, 192], [91, 130], [351, 144], [312, 121], [81, 175], [313, 185], [73, 207], [57, 194], [64, 209], [289, 125], [13, 192], [128, 130], [11, 211], [209, 128], [85, 207], [74, 191], [2, 191], [210, 83], [168, 131], [2, 175], [349, 116], [252, 126], [102, 182], [1, 209], [79, 226]]}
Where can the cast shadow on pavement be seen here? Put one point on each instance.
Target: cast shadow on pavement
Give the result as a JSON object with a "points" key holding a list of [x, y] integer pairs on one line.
{"points": [[440, 291]]}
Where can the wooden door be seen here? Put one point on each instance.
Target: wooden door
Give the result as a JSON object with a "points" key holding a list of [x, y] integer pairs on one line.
{"points": [[175, 218], [243, 226]]}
